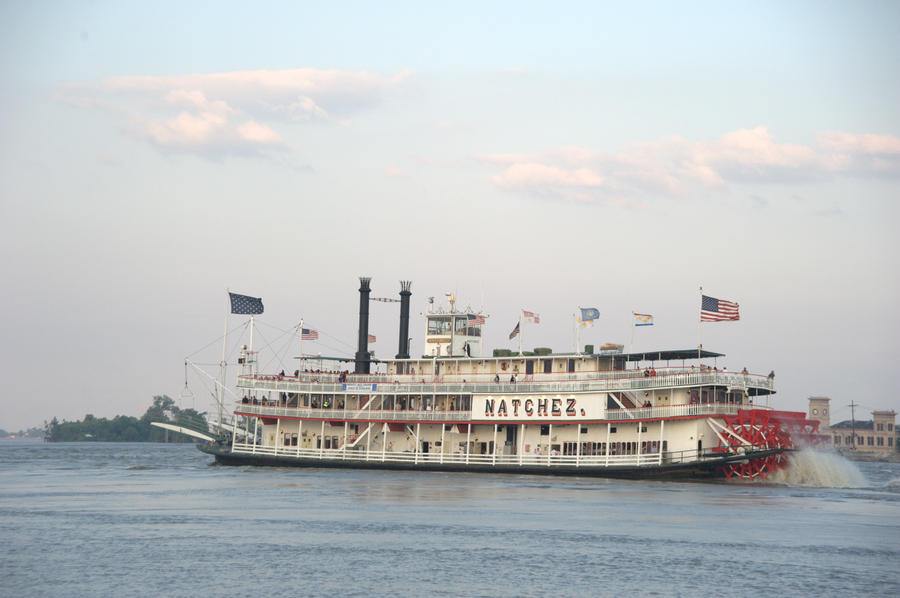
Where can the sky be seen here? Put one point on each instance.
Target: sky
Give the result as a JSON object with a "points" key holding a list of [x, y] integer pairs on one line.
{"points": [[522, 155]]}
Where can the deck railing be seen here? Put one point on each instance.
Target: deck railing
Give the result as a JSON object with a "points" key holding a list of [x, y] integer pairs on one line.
{"points": [[617, 381], [388, 415], [531, 460]]}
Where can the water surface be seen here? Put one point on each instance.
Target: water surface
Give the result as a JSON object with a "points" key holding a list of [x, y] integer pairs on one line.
{"points": [[92, 519]]}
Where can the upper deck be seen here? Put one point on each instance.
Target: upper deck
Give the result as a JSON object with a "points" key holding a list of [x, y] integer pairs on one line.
{"points": [[535, 383]]}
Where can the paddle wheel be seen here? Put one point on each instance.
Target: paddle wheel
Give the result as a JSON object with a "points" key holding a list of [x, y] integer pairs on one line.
{"points": [[761, 429]]}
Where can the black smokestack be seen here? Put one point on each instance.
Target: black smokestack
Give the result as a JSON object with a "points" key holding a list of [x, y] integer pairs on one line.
{"points": [[362, 355], [404, 319]]}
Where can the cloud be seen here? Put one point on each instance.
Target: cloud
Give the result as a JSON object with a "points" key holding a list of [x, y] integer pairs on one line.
{"points": [[395, 172], [530, 175], [238, 112], [675, 167]]}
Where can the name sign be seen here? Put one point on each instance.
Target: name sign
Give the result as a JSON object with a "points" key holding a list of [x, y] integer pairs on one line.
{"points": [[527, 407], [359, 387]]}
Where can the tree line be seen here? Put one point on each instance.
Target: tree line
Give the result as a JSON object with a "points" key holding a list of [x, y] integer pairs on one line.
{"points": [[124, 428]]}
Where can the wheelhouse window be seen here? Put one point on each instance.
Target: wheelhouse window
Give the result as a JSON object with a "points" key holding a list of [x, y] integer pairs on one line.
{"points": [[439, 325], [461, 327]]}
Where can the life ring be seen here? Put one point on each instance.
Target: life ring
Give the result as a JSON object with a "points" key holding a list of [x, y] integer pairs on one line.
{"points": [[503, 365]]}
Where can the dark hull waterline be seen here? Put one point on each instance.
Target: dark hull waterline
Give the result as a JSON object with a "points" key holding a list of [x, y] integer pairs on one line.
{"points": [[705, 469]]}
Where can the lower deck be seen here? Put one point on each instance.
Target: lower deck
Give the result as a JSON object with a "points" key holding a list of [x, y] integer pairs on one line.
{"points": [[607, 445]]}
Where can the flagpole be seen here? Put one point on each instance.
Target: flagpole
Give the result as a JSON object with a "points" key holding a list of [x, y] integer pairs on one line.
{"points": [[521, 332], [700, 325], [222, 364], [251, 345], [300, 362], [575, 331], [631, 344]]}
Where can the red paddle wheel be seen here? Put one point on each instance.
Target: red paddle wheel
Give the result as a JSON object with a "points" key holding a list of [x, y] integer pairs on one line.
{"points": [[761, 429]]}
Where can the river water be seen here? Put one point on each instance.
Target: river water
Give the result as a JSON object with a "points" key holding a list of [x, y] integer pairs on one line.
{"points": [[91, 519]]}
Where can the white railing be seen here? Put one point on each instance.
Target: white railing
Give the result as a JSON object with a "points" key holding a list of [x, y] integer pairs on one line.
{"points": [[588, 461], [387, 415], [461, 458], [581, 382]]}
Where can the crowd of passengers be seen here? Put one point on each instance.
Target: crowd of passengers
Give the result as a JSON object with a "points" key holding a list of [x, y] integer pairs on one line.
{"points": [[390, 403]]}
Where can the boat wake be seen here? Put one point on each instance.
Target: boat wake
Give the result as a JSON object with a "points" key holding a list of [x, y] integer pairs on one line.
{"points": [[815, 468], [893, 484]]}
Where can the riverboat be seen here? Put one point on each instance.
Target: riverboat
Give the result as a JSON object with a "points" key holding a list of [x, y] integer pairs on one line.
{"points": [[604, 412]]}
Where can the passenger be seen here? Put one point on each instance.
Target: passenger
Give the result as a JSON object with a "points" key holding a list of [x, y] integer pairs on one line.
{"points": [[497, 379]]}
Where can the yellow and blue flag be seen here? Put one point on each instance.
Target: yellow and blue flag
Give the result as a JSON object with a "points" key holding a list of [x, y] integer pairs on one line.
{"points": [[642, 319]]}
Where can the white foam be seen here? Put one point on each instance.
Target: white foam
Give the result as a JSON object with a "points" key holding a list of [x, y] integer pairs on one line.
{"points": [[810, 467]]}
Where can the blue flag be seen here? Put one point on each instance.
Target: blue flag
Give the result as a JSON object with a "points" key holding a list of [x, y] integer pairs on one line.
{"points": [[589, 313], [242, 304]]}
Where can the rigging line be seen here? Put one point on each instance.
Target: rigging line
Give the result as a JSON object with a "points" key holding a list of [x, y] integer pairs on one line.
{"points": [[280, 354], [313, 326], [219, 339], [283, 330], [238, 342], [335, 349], [268, 345]]}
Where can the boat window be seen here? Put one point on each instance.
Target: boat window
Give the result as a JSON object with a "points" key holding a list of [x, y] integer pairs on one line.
{"points": [[439, 325]]}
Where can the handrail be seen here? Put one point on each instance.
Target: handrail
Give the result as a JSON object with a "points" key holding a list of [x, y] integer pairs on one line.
{"points": [[578, 384], [612, 415], [469, 377], [531, 460]]}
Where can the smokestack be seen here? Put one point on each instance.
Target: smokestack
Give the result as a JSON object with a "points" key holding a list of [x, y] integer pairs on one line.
{"points": [[362, 354], [405, 293]]}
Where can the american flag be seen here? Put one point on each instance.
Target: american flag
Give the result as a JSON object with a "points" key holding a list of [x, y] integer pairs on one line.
{"points": [[371, 338], [309, 334], [531, 316], [718, 310], [475, 319], [514, 333], [244, 304]]}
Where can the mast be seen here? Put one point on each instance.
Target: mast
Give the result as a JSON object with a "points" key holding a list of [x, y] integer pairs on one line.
{"points": [[575, 331], [520, 332], [700, 325], [222, 364], [220, 397], [300, 359]]}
